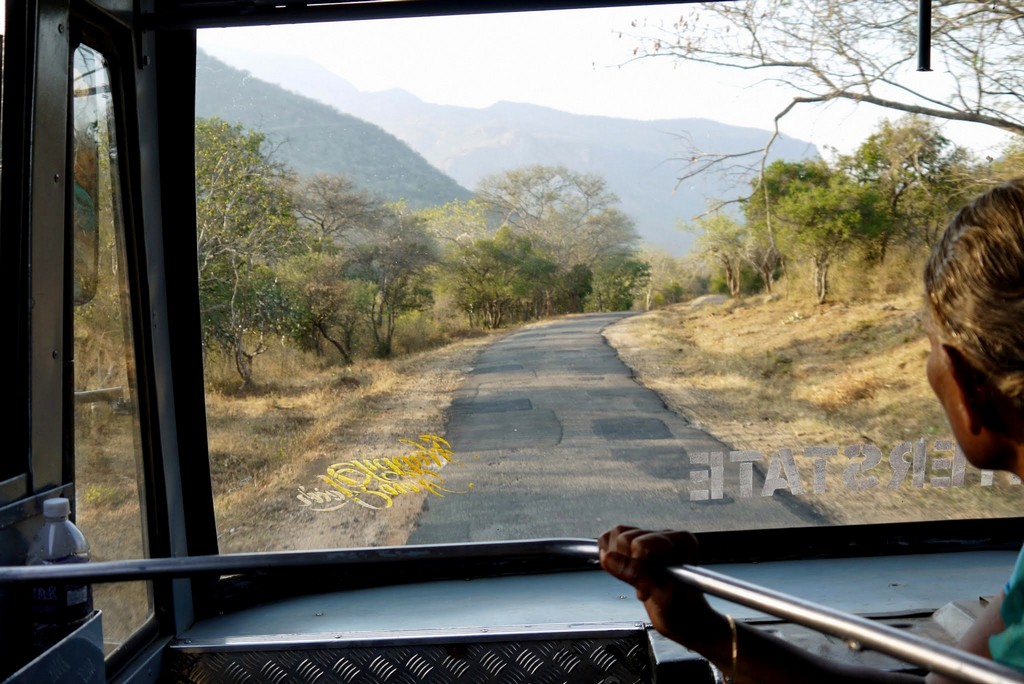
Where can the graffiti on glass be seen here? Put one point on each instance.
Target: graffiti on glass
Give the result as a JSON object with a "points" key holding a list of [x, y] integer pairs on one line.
{"points": [[375, 483]]}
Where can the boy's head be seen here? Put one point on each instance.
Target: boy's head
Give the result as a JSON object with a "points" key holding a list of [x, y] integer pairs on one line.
{"points": [[974, 286]]}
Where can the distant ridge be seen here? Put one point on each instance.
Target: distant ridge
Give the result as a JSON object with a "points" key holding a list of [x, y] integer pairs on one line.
{"points": [[639, 159], [314, 137]]}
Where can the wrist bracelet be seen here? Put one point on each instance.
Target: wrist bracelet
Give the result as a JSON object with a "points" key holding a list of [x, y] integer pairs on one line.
{"points": [[735, 649]]}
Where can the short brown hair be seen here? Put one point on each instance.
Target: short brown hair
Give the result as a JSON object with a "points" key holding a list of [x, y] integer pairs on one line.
{"points": [[974, 284]]}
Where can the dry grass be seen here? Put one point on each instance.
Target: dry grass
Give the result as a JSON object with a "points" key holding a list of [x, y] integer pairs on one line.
{"points": [[266, 444], [766, 375]]}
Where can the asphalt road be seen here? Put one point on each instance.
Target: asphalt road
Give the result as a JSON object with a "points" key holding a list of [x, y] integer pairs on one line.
{"points": [[553, 437]]}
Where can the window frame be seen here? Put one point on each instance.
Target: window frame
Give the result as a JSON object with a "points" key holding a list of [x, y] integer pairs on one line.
{"points": [[156, 141], [719, 546], [152, 64]]}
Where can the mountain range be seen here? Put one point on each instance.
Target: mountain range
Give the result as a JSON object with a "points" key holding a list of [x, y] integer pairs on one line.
{"points": [[312, 137], [332, 126]]}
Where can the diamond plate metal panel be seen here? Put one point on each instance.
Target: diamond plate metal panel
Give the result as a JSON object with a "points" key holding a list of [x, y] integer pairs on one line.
{"points": [[617, 660]]}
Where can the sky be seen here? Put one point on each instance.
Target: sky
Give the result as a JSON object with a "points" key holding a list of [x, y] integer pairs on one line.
{"points": [[575, 61]]}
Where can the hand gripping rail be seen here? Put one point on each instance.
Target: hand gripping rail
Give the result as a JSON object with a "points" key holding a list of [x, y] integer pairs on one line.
{"points": [[859, 633]]}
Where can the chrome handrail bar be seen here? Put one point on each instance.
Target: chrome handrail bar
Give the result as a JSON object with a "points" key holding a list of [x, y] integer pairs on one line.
{"points": [[581, 552], [858, 633]]}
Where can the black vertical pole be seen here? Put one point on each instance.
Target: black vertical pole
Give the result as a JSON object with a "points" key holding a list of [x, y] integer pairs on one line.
{"points": [[924, 35]]}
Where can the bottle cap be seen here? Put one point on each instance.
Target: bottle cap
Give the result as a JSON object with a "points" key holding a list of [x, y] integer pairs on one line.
{"points": [[56, 508]]}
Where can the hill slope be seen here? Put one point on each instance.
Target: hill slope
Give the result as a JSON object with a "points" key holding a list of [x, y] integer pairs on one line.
{"points": [[313, 137]]}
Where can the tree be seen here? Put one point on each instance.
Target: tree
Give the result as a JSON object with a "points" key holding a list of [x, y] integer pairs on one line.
{"points": [[665, 285], [618, 281], [766, 247], [325, 304], [1010, 163], [393, 257], [493, 275], [569, 215], [832, 50], [919, 175], [332, 208], [761, 251], [723, 241], [458, 223], [245, 224], [569, 290], [828, 50], [825, 212]]}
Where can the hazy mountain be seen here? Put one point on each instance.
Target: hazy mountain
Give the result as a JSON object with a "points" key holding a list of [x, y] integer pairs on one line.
{"points": [[314, 137], [639, 159]]}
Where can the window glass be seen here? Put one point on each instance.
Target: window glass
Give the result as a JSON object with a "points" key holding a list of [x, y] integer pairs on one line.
{"points": [[512, 276], [107, 437]]}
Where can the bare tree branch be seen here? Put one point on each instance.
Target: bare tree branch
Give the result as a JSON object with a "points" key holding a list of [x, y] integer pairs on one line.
{"points": [[862, 52]]}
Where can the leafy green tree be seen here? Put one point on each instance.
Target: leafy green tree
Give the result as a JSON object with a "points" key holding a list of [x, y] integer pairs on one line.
{"points": [[245, 224], [723, 241], [493, 277], [919, 175], [761, 252], [326, 306], [767, 248], [570, 290], [826, 212], [666, 282], [618, 282], [393, 256]]}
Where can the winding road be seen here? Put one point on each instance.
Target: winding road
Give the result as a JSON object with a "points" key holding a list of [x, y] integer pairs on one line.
{"points": [[552, 437]]}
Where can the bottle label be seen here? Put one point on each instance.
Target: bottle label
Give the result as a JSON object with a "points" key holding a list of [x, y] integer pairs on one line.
{"points": [[61, 602]]}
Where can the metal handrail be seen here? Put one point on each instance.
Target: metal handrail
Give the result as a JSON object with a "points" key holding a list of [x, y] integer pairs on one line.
{"points": [[581, 552], [859, 633]]}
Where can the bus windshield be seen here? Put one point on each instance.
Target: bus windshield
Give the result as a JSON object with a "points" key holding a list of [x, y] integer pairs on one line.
{"points": [[513, 276]]}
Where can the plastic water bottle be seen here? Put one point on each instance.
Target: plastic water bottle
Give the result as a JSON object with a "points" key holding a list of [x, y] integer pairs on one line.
{"points": [[56, 608]]}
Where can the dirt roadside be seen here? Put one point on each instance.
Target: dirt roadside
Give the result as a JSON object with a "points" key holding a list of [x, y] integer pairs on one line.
{"points": [[364, 422]]}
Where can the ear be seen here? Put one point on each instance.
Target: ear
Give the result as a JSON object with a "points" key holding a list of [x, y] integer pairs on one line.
{"points": [[973, 392]]}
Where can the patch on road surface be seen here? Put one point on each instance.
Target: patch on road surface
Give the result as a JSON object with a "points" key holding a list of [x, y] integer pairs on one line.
{"points": [[491, 405], [664, 463], [509, 430], [631, 428], [643, 401], [497, 369]]}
